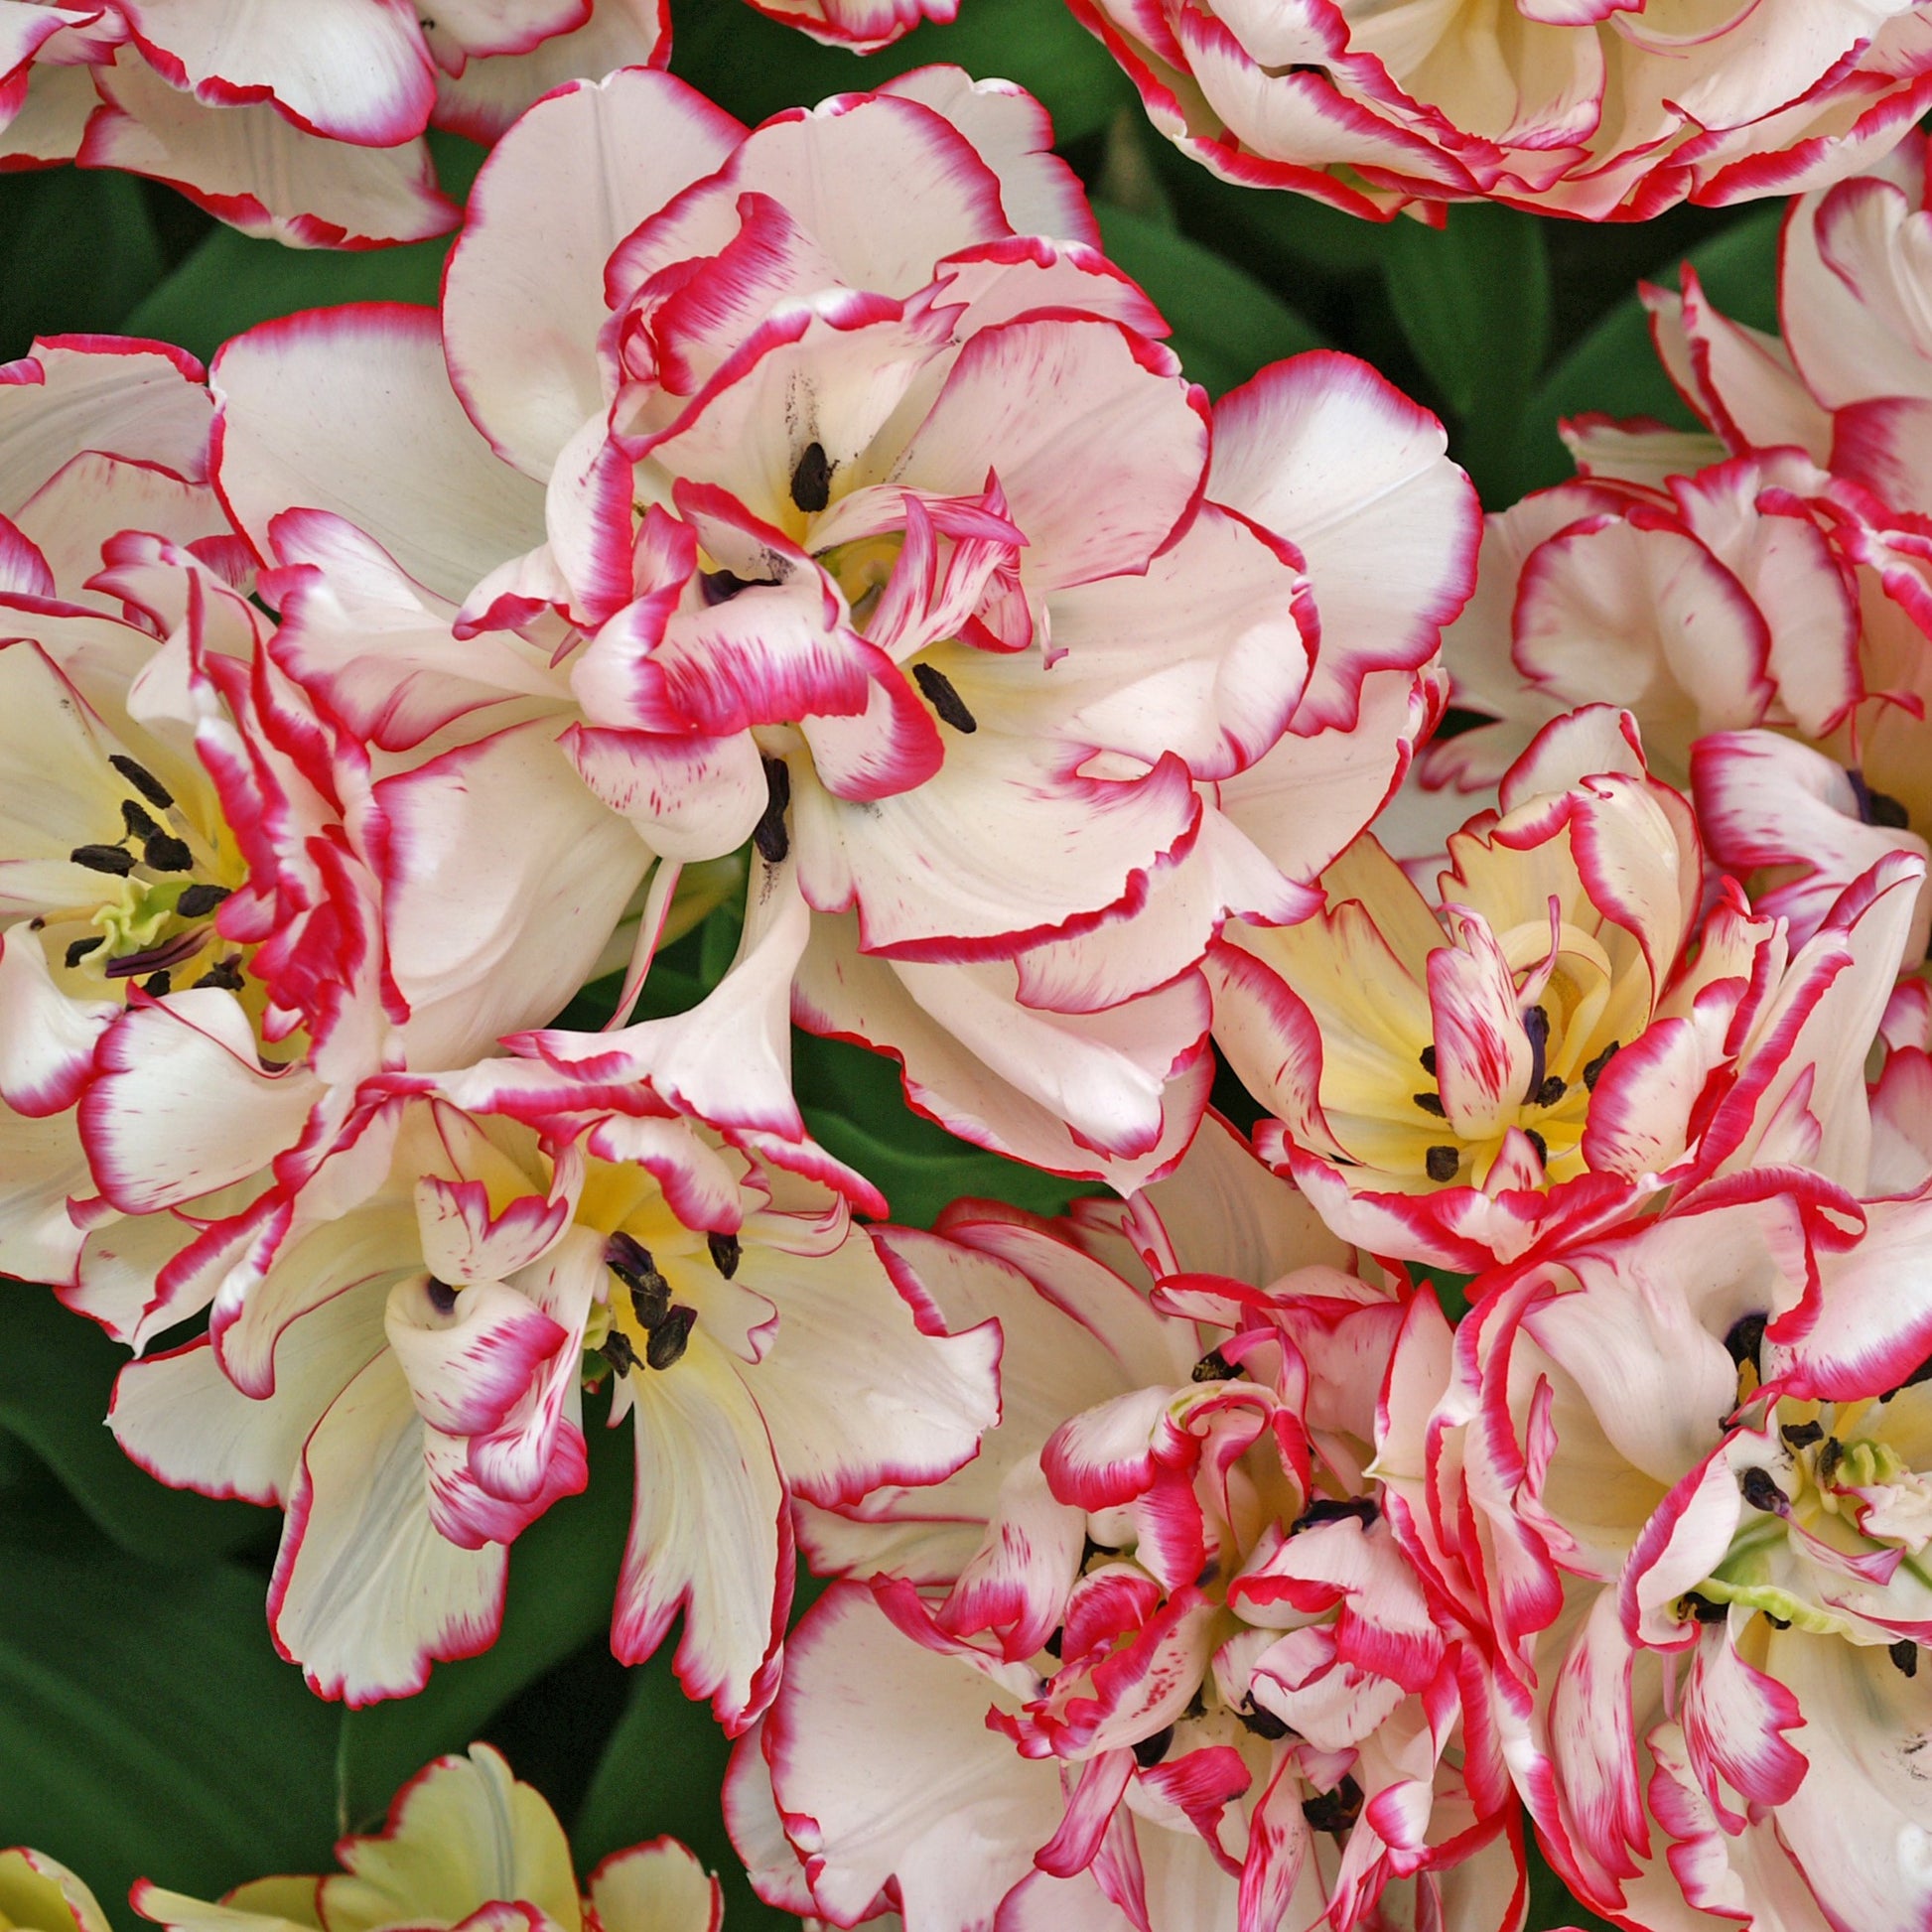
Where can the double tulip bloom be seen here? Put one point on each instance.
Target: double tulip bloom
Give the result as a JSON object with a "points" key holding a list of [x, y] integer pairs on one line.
{"points": [[1607, 110]]}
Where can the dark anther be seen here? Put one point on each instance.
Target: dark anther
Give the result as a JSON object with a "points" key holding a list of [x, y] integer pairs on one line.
{"points": [[1878, 808], [1777, 1623], [1428, 1058], [1442, 1163], [1536, 1025], [197, 901], [1594, 1069], [630, 1260], [1923, 1373], [811, 479], [1150, 1751], [1904, 1653], [142, 779], [725, 1253], [1829, 1458], [672, 1335], [1326, 1510], [157, 984], [1743, 1338], [224, 973], [618, 1352], [940, 694], [769, 834], [103, 858], [1552, 1089], [1537, 1141], [140, 822], [1801, 1435], [1704, 1610], [1430, 1103], [80, 949], [721, 585], [1091, 1548], [1264, 1724], [442, 1296], [1052, 1644], [165, 853], [1336, 1810], [1215, 1367], [1761, 1491]]}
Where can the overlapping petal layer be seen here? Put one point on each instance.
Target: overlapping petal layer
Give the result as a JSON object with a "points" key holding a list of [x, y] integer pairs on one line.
{"points": [[1605, 110]]}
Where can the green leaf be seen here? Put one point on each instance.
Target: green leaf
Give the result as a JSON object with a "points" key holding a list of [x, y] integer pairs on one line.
{"points": [[663, 1771], [232, 281], [78, 248], [1551, 1910], [147, 1726], [57, 1373], [1226, 325], [754, 67], [854, 1104], [1614, 368], [563, 1580], [1474, 302]]}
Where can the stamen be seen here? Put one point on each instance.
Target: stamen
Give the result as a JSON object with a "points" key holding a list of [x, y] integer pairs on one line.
{"points": [[80, 949], [725, 1253], [1150, 1751], [442, 1296], [165, 853], [198, 901], [811, 479], [1594, 1069], [1430, 1103], [1829, 1458], [158, 984], [1537, 1141], [1878, 808], [225, 974], [1442, 1163], [103, 858], [938, 690], [1743, 1338], [1215, 1367], [1334, 1811], [670, 1337], [721, 585], [769, 834], [1801, 1435], [618, 1352], [1536, 1026], [1762, 1493], [1428, 1058], [1325, 1509], [1904, 1653], [631, 1261], [140, 822], [1704, 1610], [142, 779], [1552, 1090], [1264, 1724], [171, 952]]}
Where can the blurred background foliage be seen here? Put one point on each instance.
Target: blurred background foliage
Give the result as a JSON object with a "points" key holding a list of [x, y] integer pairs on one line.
{"points": [[146, 1724]]}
